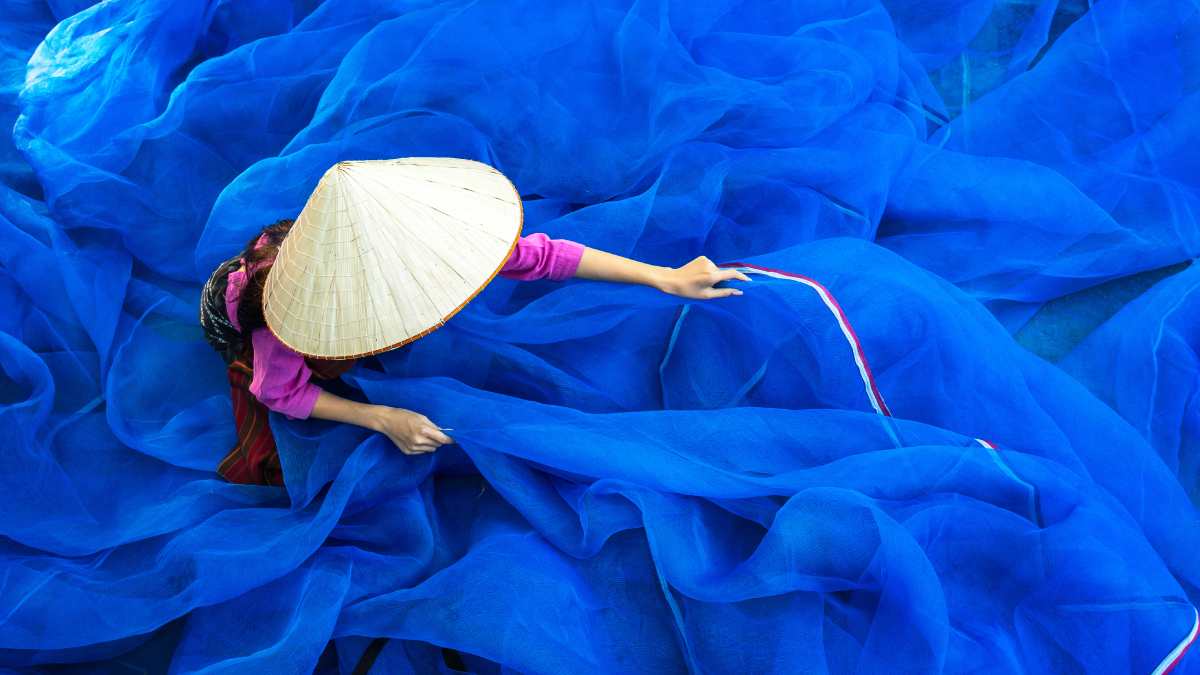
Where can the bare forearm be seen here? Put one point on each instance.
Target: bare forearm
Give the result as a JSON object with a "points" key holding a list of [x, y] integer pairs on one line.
{"points": [[333, 407], [412, 432], [693, 280], [600, 266]]}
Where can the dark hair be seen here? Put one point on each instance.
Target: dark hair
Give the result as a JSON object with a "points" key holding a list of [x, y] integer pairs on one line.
{"points": [[250, 303]]}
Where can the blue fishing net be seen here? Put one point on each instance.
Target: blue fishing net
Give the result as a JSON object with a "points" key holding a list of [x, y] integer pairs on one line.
{"points": [[853, 467]]}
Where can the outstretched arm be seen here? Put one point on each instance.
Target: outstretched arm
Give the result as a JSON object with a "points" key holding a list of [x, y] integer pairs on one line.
{"points": [[693, 280], [412, 432]]}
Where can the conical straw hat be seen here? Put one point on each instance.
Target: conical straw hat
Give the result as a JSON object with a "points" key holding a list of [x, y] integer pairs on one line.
{"points": [[385, 251]]}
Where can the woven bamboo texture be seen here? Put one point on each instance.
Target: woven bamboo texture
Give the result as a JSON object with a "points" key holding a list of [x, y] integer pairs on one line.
{"points": [[386, 251]]}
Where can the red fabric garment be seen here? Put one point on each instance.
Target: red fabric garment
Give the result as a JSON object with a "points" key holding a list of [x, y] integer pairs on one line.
{"points": [[254, 459]]}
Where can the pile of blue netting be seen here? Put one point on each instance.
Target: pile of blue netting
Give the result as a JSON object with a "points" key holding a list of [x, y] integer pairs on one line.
{"points": [[952, 425]]}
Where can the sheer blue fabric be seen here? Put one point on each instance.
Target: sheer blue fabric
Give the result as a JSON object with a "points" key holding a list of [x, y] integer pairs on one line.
{"points": [[861, 474]]}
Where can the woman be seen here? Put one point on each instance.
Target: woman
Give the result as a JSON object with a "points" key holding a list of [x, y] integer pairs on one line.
{"points": [[267, 375]]}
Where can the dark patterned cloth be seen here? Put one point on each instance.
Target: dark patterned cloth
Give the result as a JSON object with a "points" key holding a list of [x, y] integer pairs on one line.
{"points": [[254, 460], [219, 331]]}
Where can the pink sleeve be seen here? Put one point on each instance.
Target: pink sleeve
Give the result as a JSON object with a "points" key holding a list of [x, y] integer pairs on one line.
{"points": [[281, 377], [540, 257]]}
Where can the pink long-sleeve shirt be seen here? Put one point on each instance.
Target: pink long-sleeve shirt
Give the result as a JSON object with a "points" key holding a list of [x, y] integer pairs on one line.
{"points": [[281, 377]]}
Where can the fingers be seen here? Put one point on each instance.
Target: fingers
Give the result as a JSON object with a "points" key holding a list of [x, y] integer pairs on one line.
{"points": [[726, 275], [710, 293], [419, 448], [419, 445], [427, 440], [438, 436], [706, 291], [433, 433]]}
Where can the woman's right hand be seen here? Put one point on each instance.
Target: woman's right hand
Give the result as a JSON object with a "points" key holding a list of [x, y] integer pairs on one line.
{"points": [[412, 432]]}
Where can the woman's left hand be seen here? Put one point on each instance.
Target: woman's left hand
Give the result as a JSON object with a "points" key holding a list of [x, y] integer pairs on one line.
{"points": [[696, 279]]}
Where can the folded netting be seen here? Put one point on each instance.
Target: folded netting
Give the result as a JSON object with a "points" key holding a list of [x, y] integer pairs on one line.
{"points": [[850, 468], [1142, 363]]}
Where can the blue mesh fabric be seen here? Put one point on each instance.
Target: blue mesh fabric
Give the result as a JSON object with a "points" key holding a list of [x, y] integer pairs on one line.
{"points": [[861, 474]]}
